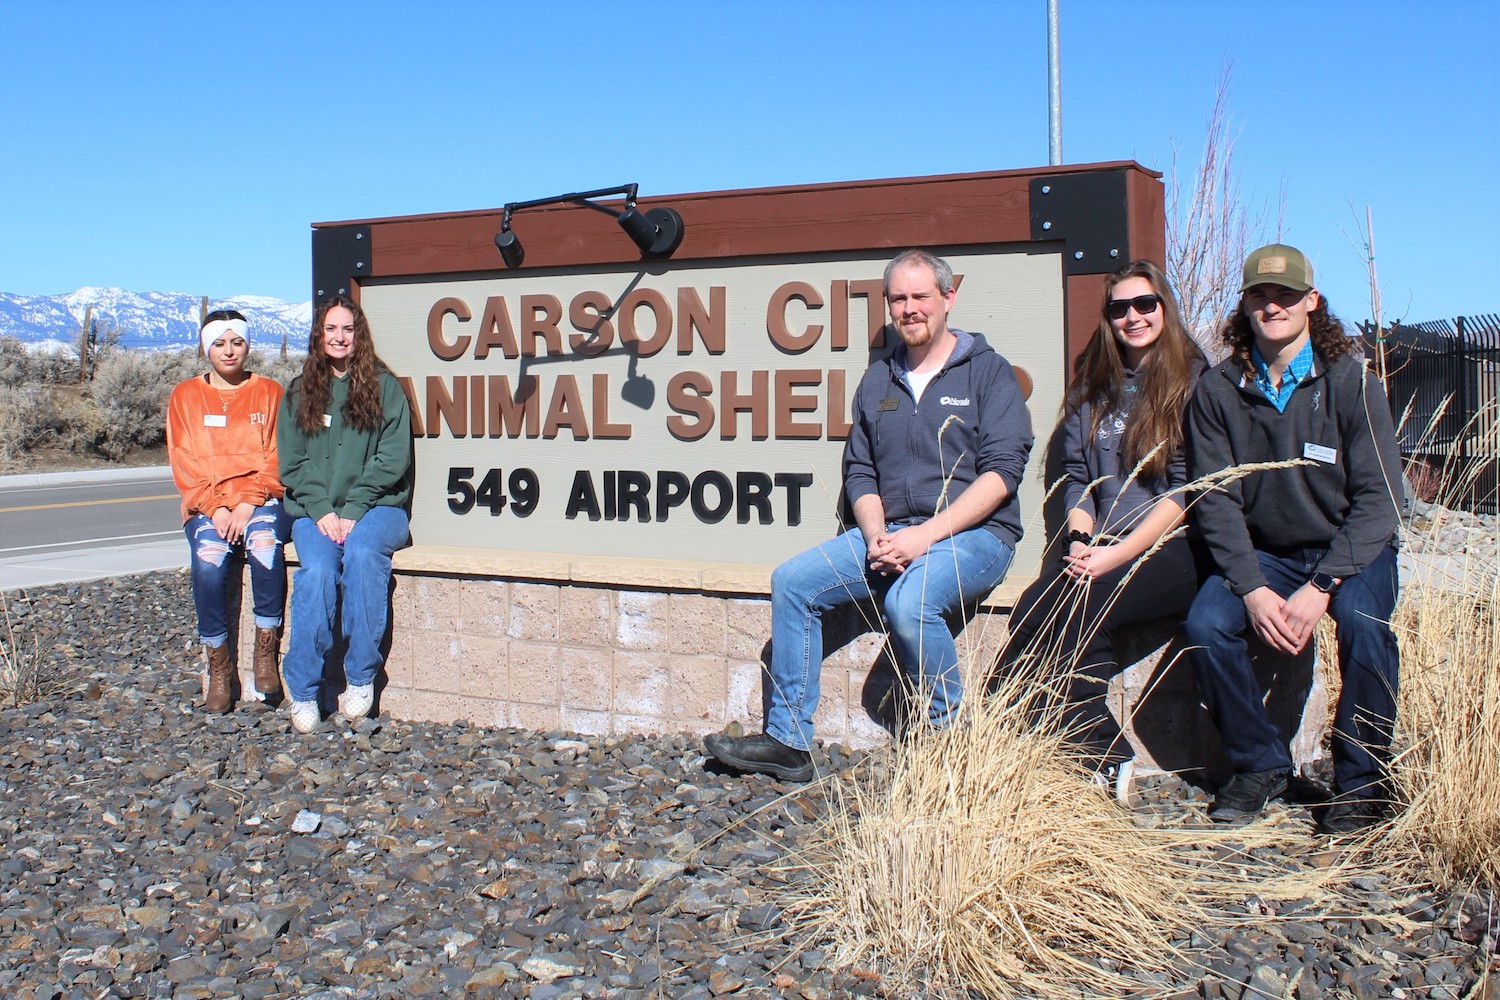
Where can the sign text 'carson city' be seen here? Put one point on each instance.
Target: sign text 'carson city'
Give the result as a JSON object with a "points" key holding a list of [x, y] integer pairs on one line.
{"points": [[787, 403]]}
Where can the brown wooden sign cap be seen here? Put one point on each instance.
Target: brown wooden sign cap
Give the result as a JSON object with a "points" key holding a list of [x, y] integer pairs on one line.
{"points": [[1097, 216]]}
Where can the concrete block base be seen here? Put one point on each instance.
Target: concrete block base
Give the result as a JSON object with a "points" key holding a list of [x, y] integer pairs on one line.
{"points": [[598, 658]]}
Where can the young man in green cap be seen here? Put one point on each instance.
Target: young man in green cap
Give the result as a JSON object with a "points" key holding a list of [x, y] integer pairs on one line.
{"points": [[1291, 544]]}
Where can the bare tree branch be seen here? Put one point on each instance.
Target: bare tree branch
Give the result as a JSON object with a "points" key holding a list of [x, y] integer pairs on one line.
{"points": [[1210, 229]]}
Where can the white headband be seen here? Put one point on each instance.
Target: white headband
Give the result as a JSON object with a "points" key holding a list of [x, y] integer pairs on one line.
{"points": [[219, 327]]}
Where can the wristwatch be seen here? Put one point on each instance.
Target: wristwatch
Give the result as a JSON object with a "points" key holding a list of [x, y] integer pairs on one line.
{"points": [[1325, 583]]}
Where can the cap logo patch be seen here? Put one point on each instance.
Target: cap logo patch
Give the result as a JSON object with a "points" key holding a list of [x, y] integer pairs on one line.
{"points": [[1271, 265]]}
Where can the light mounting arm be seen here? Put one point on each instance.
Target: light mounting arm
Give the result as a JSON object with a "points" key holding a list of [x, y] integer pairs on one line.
{"points": [[657, 232]]}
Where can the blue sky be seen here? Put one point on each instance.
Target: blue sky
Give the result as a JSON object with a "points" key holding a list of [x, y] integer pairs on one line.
{"points": [[187, 147]]}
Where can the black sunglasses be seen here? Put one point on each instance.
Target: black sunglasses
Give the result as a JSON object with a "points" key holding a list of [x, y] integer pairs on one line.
{"points": [[1143, 304]]}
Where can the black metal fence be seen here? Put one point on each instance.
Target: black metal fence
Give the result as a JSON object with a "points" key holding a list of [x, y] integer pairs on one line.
{"points": [[1443, 378]]}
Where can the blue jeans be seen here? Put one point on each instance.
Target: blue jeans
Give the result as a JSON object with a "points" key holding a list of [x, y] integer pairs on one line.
{"points": [[215, 563], [955, 572], [1369, 663], [361, 568]]}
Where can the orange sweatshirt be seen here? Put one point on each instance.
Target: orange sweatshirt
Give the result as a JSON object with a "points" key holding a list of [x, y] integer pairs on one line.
{"points": [[222, 443]]}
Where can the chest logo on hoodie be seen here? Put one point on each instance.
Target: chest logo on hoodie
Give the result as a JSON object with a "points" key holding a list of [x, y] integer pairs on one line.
{"points": [[954, 401]]}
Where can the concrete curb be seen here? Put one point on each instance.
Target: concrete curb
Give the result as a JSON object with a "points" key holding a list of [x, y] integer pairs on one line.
{"points": [[86, 476]]}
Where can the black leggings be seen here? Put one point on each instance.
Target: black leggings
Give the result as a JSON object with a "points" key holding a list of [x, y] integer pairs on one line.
{"points": [[1067, 629]]}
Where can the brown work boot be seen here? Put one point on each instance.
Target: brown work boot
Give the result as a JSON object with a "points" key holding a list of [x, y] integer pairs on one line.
{"points": [[267, 652], [219, 676]]}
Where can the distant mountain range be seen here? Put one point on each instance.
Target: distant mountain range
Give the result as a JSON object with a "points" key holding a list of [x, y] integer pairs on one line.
{"points": [[147, 320]]}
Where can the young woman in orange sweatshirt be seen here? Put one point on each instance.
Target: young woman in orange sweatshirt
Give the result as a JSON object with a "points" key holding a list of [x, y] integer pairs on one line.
{"points": [[221, 438]]}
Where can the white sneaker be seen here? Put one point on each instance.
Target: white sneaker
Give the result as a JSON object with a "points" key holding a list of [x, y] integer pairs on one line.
{"points": [[1125, 790], [1119, 779], [305, 716], [356, 701]]}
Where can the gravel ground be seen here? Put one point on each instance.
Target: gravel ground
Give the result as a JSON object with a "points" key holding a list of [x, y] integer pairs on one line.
{"points": [[150, 850]]}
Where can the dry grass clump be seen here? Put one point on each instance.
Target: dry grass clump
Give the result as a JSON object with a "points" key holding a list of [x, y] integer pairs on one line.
{"points": [[982, 858], [1450, 710], [1449, 774], [23, 679], [1448, 624]]}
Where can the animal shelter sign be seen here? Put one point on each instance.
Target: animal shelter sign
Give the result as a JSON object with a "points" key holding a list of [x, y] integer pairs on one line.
{"points": [[687, 409]]}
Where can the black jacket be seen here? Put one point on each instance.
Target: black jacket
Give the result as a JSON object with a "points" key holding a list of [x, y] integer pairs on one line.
{"points": [[1344, 498]]}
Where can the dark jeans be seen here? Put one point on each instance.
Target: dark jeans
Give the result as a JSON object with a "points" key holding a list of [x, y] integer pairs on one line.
{"points": [[1217, 627], [215, 563], [1064, 626]]}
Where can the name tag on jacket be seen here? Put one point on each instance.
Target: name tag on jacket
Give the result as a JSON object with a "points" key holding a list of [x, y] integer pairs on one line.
{"points": [[215, 420], [1320, 453]]}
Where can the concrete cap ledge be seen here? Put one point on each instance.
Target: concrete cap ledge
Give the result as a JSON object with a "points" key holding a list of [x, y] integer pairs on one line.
{"points": [[617, 571], [129, 475]]}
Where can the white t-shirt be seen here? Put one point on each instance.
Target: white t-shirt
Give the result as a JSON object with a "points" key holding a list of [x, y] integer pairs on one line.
{"points": [[917, 383]]}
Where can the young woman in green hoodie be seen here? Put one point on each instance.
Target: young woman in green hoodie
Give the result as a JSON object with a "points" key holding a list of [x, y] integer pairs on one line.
{"points": [[344, 437]]}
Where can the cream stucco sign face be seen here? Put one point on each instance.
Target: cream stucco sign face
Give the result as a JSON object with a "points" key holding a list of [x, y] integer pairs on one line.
{"points": [[688, 413]]}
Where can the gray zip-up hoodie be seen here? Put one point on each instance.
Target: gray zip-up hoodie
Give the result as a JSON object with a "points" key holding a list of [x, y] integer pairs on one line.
{"points": [[908, 452], [1344, 500]]}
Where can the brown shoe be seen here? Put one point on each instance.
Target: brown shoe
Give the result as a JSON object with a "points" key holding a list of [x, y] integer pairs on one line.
{"points": [[267, 652], [219, 672]]}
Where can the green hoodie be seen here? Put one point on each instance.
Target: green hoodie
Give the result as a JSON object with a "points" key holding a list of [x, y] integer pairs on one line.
{"points": [[342, 469]]}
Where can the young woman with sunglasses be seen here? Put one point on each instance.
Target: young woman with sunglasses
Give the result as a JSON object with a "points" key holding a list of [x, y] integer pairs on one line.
{"points": [[346, 459], [221, 440], [1122, 427]]}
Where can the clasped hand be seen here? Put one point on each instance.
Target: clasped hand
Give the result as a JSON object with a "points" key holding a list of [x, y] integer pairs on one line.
{"points": [[1086, 563], [1286, 625], [892, 551], [230, 523], [335, 528]]}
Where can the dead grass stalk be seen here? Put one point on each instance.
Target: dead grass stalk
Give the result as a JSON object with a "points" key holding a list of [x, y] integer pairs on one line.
{"points": [[23, 679]]}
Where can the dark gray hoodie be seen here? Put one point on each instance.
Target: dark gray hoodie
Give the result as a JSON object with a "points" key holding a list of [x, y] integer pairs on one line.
{"points": [[907, 451]]}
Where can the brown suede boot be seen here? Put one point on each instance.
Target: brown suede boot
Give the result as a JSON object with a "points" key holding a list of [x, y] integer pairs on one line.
{"points": [[219, 680], [267, 653]]}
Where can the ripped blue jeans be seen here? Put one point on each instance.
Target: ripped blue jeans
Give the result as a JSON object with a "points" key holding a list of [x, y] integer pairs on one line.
{"points": [[215, 562]]}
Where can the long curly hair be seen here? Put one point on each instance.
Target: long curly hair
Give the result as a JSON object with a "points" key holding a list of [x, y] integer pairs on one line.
{"points": [[1329, 339], [1167, 377], [315, 386]]}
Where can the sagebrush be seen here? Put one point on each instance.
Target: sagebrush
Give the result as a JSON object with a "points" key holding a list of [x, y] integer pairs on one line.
{"points": [[121, 409]]}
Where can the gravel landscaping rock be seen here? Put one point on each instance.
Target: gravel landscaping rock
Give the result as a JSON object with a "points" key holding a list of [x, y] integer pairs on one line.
{"points": [[150, 850]]}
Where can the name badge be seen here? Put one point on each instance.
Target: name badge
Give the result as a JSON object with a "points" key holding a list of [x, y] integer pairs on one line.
{"points": [[1319, 453], [328, 420], [886, 405], [215, 420]]}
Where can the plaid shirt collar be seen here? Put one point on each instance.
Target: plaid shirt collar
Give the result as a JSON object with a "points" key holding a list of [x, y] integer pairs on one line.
{"points": [[1295, 374]]}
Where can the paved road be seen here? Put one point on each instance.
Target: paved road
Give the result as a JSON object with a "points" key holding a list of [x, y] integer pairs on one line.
{"points": [[82, 526]]}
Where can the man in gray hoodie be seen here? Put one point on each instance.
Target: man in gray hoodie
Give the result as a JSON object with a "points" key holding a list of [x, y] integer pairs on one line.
{"points": [[1292, 544], [939, 444]]}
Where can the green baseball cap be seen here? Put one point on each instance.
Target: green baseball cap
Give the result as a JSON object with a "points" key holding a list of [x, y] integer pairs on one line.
{"points": [[1278, 264]]}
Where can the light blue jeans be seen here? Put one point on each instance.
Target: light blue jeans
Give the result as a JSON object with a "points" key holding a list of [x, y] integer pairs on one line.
{"points": [[361, 568], [955, 572]]}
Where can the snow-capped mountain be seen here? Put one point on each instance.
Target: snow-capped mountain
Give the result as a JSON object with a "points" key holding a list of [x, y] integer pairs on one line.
{"points": [[149, 320]]}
